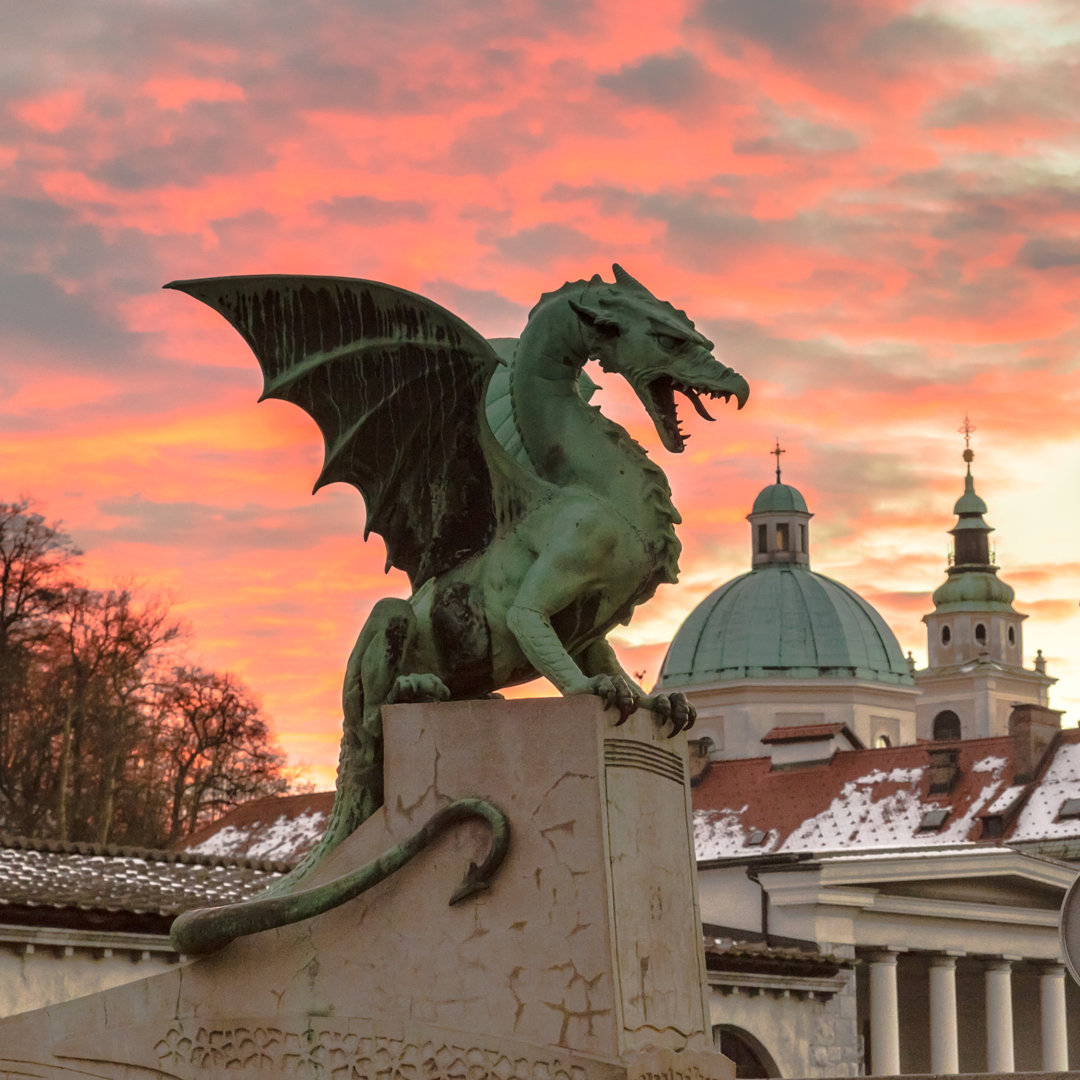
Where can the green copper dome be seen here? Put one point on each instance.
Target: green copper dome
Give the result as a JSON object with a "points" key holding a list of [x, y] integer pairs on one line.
{"points": [[779, 498], [974, 591], [969, 502], [784, 621]]}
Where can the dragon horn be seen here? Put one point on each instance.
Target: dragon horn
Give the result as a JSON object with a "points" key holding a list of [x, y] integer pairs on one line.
{"points": [[623, 278]]}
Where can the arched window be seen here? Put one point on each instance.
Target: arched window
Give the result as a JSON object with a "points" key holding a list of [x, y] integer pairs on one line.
{"points": [[882, 742], [751, 1059], [946, 725], [980, 633], [781, 536], [1012, 635], [946, 635]]}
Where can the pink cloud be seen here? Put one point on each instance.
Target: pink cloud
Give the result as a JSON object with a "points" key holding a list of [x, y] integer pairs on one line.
{"points": [[51, 113]]}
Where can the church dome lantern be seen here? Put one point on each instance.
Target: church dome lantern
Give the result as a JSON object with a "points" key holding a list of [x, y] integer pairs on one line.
{"points": [[779, 524]]}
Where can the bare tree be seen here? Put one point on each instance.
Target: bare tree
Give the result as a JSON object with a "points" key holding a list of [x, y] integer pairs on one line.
{"points": [[103, 736], [216, 747], [102, 675], [35, 558]]}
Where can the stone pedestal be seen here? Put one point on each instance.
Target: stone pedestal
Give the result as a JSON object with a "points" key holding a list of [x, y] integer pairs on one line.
{"points": [[583, 959]]}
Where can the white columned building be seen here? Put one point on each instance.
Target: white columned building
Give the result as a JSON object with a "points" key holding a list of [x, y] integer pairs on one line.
{"points": [[958, 966]]}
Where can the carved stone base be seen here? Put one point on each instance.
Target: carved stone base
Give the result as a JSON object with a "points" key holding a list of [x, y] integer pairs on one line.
{"points": [[582, 960]]}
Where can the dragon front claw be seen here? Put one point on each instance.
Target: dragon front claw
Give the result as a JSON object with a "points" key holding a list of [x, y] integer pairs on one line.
{"points": [[674, 708], [614, 690], [683, 714]]}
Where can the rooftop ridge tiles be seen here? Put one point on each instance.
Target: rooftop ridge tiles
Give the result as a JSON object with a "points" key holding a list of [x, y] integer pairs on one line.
{"points": [[900, 753], [49, 846]]}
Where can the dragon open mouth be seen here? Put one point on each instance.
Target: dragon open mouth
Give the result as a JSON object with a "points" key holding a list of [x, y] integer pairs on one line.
{"points": [[661, 398]]}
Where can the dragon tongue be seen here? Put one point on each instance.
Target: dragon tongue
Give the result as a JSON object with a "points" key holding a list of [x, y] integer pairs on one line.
{"points": [[695, 401]]}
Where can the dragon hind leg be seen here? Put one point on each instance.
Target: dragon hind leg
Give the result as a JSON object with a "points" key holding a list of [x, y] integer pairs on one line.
{"points": [[418, 688], [370, 677]]}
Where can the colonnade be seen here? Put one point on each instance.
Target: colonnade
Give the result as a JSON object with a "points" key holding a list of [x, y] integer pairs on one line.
{"points": [[944, 1029]]}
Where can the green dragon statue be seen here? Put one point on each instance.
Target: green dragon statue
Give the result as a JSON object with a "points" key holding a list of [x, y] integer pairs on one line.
{"points": [[522, 554]]}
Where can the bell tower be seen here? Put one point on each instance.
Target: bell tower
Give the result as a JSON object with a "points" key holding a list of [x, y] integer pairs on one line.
{"points": [[975, 647]]}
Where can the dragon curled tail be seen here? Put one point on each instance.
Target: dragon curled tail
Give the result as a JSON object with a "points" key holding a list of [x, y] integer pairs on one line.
{"points": [[208, 929]]}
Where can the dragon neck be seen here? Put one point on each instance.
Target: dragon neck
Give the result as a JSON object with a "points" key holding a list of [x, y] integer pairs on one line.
{"points": [[571, 443]]}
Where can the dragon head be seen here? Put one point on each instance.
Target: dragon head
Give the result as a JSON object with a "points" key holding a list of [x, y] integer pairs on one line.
{"points": [[656, 349]]}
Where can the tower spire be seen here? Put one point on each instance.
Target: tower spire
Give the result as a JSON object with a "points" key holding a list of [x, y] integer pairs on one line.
{"points": [[777, 452], [971, 532]]}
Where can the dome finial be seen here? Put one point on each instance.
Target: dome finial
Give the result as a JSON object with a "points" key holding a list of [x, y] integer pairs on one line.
{"points": [[778, 452], [965, 429]]}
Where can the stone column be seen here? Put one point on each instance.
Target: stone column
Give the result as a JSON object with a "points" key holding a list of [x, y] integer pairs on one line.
{"points": [[944, 1047], [884, 1015], [1055, 1037], [999, 1017]]}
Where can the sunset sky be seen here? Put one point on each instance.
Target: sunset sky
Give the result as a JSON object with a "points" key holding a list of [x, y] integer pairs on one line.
{"points": [[872, 208]]}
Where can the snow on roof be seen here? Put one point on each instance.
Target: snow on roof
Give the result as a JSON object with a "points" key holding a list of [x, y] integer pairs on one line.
{"points": [[861, 798], [36, 873], [283, 828], [1060, 780], [722, 830], [1007, 799]]}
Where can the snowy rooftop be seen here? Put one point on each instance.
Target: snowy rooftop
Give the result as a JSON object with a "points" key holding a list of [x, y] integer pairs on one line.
{"points": [[882, 798], [1041, 817], [49, 874], [283, 828]]}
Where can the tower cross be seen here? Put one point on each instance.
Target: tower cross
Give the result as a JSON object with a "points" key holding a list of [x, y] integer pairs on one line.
{"points": [[777, 452], [965, 429]]}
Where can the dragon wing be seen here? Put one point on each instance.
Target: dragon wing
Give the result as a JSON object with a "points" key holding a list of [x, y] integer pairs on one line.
{"points": [[396, 384]]}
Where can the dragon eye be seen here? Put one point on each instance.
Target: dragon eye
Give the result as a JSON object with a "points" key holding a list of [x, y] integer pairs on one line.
{"points": [[666, 341]]}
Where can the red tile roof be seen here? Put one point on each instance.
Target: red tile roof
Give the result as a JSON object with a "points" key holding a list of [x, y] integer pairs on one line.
{"points": [[879, 798]]}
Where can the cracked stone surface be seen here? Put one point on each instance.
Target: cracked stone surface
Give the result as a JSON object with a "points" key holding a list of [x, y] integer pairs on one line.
{"points": [[587, 942]]}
